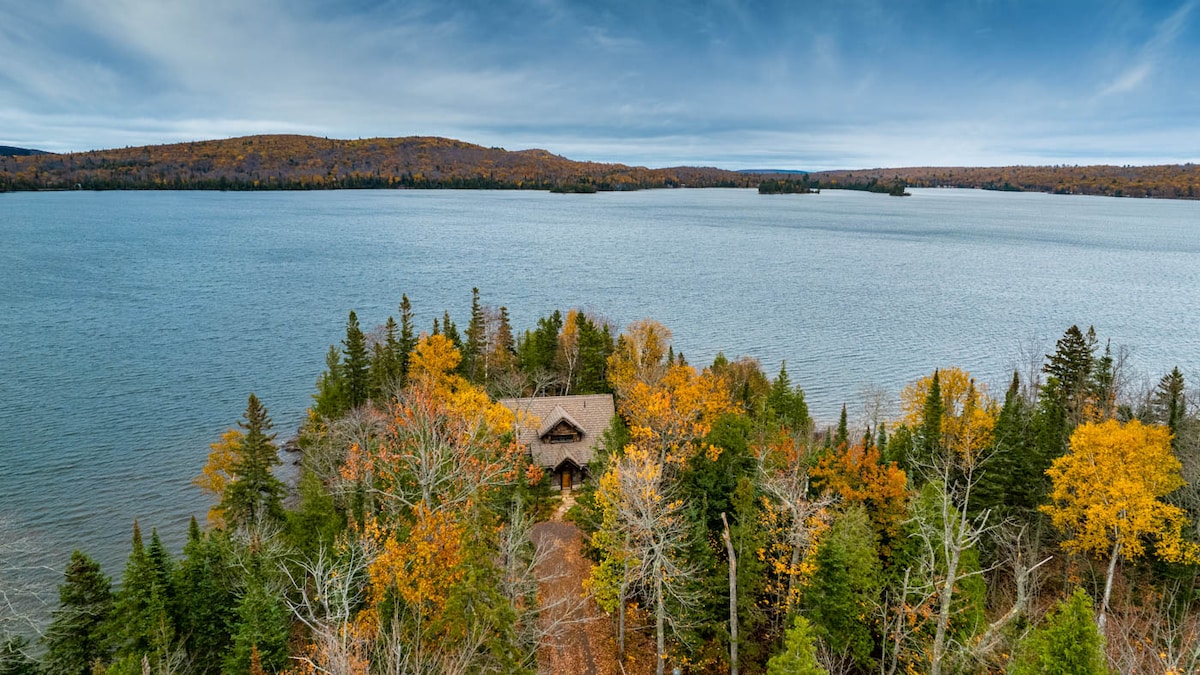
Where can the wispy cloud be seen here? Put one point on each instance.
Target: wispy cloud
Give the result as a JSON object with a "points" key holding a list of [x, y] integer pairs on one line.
{"points": [[727, 82]]}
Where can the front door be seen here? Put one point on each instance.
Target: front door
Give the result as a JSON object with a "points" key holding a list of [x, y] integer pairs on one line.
{"points": [[566, 479]]}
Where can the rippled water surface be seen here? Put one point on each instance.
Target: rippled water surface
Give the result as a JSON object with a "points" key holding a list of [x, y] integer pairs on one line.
{"points": [[133, 324]]}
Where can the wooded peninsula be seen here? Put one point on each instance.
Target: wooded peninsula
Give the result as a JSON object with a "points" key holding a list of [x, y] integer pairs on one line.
{"points": [[293, 162], [576, 497]]}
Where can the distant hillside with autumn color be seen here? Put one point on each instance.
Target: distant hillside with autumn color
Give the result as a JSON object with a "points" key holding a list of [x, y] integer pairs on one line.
{"points": [[307, 162], [1170, 181]]}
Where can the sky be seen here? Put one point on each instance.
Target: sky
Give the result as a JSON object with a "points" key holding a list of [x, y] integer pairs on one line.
{"points": [[787, 85]]}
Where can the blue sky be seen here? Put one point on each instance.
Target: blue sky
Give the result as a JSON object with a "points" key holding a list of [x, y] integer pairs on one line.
{"points": [[843, 84]]}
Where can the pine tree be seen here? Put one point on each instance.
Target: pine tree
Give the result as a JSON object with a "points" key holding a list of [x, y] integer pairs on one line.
{"points": [[254, 492], [77, 632], [1013, 478], [356, 366], [385, 363], [1068, 643], [595, 346], [451, 332], [799, 655]]}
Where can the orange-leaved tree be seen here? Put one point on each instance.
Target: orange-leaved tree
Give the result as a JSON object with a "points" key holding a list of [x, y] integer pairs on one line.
{"points": [[1106, 495], [858, 476]]}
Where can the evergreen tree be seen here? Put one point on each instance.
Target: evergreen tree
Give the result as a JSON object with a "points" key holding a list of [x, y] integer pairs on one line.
{"points": [[787, 403], [927, 443], [140, 624], [1013, 478], [356, 366], [14, 657], [408, 338], [385, 363], [1167, 405], [476, 344], [262, 625], [451, 332], [254, 491], [539, 348], [799, 655], [76, 636], [595, 346], [1068, 643], [316, 521], [844, 586], [842, 439], [330, 400], [206, 602]]}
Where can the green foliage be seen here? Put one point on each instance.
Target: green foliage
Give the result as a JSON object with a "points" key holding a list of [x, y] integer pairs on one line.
{"points": [[1167, 404], [928, 440], [1013, 479], [254, 492], [141, 624], [786, 403], [472, 356], [839, 599], [1067, 643], [15, 658], [595, 346], [262, 623], [799, 655], [539, 348], [356, 366], [206, 601], [316, 521], [330, 401], [76, 636]]}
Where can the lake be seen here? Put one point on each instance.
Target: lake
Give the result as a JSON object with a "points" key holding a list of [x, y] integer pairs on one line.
{"points": [[134, 324]]}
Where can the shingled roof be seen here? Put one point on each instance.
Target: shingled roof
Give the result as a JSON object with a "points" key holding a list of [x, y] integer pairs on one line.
{"points": [[537, 417]]}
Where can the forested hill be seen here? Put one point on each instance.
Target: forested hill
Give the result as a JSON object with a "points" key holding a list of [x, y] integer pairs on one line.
{"points": [[1171, 181], [308, 162]]}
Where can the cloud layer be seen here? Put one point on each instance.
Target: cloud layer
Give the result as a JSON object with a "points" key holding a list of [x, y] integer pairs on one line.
{"points": [[861, 83]]}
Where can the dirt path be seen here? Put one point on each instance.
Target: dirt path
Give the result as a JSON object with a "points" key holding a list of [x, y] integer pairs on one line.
{"points": [[585, 644]]}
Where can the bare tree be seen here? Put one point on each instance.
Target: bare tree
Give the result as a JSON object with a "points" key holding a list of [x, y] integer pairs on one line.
{"points": [[23, 587], [328, 592]]}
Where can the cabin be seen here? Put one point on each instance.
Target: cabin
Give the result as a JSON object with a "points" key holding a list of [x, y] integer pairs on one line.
{"points": [[562, 432]]}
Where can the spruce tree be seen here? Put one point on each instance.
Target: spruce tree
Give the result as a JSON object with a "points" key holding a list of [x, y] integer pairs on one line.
{"points": [[254, 492], [385, 362], [787, 403], [140, 624], [356, 366], [408, 338], [473, 350], [451, 332], [14, 657], [76, 637], [1167, 404], [206, 602], [799, 655], [595, 346], [842, 439], [846, 580], [330, 399], [1068, 643], [1013, 478], [262, 624], [927, 444]]}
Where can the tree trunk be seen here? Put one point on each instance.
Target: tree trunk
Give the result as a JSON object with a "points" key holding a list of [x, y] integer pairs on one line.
{"points": [[733, 620], [621, 603], [945, 604], [1112, 570], [660, 621]]}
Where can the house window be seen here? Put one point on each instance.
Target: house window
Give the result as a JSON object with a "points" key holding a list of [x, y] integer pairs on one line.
{"points": [[563, 438]]}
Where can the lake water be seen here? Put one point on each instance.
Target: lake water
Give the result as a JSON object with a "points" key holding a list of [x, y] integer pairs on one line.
{"points": [[134, 324]]}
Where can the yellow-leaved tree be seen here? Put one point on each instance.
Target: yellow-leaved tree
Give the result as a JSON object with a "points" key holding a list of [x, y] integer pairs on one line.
{"points": [[968, 413], [218, 471], [1106, 495]]}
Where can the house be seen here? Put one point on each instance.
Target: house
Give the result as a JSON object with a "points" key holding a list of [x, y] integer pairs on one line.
{"points": [[562, 432]]}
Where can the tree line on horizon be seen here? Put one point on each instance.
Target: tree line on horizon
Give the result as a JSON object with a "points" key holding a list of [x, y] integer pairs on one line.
{"points": [[1057, 525], [293, 162]]}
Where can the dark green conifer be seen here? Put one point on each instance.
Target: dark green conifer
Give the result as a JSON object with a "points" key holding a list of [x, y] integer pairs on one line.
{"points": [[1167, 404], [356, 366], [846, 581], [206, 601], [140, 624], [1067, 643], [408, 338], [262, 623], [330, 400], [842, 439], [451, 332], [473, 349], [15, 658], [254, 492], [786, 403], [76, 637]]}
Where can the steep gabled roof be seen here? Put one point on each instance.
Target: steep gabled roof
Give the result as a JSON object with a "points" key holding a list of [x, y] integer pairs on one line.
{"points": [[536, 417]]}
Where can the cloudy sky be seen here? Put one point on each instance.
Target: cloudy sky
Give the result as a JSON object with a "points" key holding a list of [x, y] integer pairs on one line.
{"points": [[789, 84]]}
